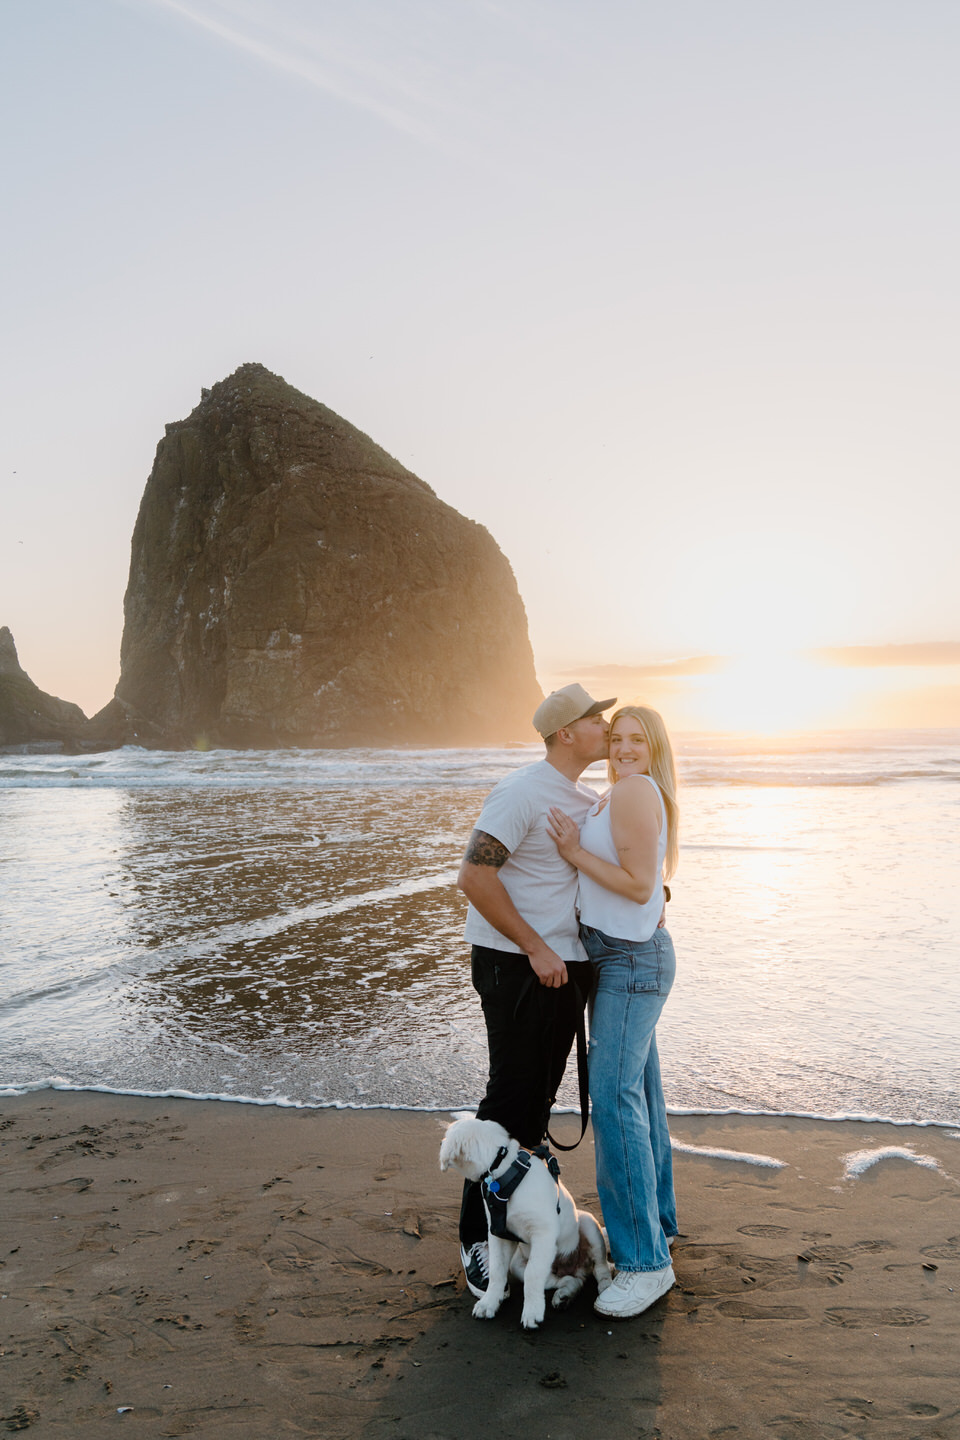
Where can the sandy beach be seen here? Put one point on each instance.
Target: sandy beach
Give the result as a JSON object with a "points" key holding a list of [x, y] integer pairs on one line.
{"points": [[180, 1267]]}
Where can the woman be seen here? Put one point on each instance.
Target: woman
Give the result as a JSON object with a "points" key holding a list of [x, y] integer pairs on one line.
{"points": [[627, 845]]}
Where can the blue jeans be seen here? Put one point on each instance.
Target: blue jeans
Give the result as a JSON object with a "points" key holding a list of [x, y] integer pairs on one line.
{"points": [[634, 1164]]}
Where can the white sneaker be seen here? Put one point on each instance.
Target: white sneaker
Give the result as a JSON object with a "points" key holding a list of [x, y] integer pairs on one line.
{"points": [[634, 1291]]}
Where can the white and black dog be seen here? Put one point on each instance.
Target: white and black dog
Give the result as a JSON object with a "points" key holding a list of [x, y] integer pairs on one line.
{"points": [[555, 1246]]}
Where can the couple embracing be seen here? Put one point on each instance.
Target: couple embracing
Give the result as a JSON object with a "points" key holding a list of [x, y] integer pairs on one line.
{"points": [[544, 849]]}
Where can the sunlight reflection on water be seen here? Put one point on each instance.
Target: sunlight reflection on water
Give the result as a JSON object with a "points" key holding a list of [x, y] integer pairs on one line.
{"points": [[306, 942]]}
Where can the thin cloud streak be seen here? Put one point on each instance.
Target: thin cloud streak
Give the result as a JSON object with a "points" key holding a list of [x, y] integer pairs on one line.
{"points": [[655, 670], [929, 652], [306, 70], [425, 80], [355, 57]]}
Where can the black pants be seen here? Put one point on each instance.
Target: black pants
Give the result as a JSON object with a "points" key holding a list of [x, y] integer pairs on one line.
{"points": [[530, 1031]]}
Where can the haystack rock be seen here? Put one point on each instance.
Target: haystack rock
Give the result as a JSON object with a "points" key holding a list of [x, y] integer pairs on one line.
{"points": [[292, 584], [28, 715]]}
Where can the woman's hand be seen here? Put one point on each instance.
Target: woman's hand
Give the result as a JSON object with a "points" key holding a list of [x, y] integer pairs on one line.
{"points": [[565, 834]]}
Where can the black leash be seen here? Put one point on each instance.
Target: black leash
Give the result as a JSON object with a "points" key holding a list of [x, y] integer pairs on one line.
{"points": [[582, 1073]]}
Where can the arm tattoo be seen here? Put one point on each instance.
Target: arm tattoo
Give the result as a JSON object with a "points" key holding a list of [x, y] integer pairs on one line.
{"points": [[484, 849]]}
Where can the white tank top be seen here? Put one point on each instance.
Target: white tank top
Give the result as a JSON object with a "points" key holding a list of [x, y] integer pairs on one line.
{"points": [[603, 909]]}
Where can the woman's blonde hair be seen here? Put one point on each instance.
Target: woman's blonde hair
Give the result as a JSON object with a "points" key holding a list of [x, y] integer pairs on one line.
{"points": [[662, 769]]}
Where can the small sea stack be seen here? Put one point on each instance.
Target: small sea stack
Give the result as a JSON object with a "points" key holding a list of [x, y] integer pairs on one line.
{"points": [[30, 717], [293, 584]]}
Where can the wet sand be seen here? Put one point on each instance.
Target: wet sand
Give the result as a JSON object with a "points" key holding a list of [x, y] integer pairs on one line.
{"points": [[174, 1267]]}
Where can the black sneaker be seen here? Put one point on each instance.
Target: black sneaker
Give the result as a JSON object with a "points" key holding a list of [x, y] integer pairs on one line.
{"points": [[476, 1267]]}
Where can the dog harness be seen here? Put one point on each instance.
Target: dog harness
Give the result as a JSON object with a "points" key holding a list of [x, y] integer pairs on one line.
{"points": [[497, 1191]]}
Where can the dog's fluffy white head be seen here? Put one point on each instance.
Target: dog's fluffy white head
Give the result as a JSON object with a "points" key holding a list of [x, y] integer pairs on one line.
{"points": [[471, 1146]]}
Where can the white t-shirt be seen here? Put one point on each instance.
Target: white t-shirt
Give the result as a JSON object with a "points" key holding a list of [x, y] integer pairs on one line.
{"points": [[536, 877], [604, 909]]}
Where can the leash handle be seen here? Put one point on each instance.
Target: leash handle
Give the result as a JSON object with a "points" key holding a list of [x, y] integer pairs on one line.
{"points": [[582, 1075]]}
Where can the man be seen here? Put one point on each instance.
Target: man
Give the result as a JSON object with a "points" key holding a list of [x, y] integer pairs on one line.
{"points": [[527, 963]]}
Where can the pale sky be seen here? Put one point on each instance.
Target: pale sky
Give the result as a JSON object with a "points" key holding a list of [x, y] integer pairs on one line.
{"points": [[664, 294]]}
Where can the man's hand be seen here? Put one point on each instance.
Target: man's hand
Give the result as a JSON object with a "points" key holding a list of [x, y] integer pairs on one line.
{"points": [[548, 967], [479, 879], [663, 913]]}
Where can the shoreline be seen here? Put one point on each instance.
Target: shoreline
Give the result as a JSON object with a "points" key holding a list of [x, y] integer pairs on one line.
{"points": [[222, 1274], [14, 1089]]}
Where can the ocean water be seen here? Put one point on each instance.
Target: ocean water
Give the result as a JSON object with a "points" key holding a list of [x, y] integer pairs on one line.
{"points": [[283, 927]]}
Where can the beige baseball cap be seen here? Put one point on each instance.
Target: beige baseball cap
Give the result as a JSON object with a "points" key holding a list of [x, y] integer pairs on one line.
{"points": [[562, 707]]}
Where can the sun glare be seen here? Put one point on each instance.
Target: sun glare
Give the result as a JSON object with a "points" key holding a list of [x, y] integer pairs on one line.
{"points": [[769, 692], [772, 695], [768, 834]]}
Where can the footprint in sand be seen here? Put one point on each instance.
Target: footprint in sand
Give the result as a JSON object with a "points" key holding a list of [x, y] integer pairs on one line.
{"points": [[859, 1408], [856, 1406], [350, 1263], [20, 1418], [389, 1165], [763, 1230], [796, 1427], [785, 1274], [720, 1275], [844, 1252], [246, 1331], [743, 1310], [949, 1251], [78, 1184], [854, 1318], [707, 1252]]}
